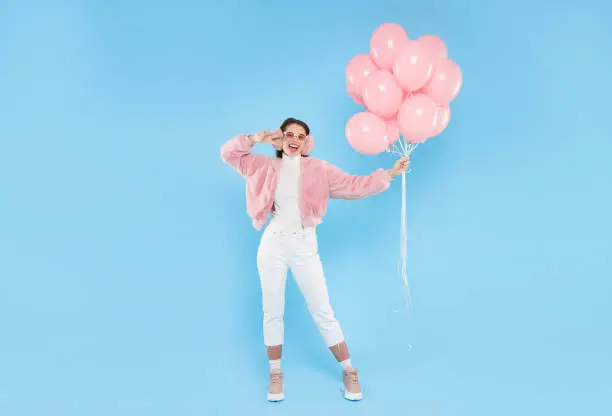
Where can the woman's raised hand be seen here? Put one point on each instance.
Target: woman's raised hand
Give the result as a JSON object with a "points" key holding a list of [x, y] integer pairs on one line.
{"points": [[266, 136]]}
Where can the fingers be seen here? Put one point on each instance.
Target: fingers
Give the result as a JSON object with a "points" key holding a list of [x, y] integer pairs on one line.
{"points": [[266, 136], [402, 164], [271, 136], [276, 134]]}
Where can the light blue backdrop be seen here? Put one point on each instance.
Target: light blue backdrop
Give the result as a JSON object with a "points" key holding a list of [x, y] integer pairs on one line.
{"points": [[127, 261]]}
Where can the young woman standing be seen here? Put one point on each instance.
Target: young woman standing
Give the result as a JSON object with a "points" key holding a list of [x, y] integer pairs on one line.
{"points": [[295, 189]]}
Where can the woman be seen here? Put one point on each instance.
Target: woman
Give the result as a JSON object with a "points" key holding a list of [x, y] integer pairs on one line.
{"points": [[296, 190]]}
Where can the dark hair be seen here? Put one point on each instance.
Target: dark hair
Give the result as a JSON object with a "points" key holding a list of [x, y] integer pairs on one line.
{"points": [[287, 123]]}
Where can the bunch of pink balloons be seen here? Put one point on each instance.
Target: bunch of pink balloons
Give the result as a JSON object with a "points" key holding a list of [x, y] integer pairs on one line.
{"points": [[406, 86]]}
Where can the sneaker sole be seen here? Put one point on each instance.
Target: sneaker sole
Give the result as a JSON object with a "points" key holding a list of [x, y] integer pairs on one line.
{"points": [[278, 397], [353, 397]]}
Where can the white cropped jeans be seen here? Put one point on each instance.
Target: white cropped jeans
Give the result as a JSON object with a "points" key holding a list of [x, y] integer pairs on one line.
{"points": [[280, 251]]}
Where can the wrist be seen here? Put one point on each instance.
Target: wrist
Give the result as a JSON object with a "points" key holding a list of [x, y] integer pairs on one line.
{"points": [[391, 173]]}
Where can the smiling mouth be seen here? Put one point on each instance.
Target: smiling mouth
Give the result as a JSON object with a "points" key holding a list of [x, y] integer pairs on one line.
{"points": [[293, 146]]}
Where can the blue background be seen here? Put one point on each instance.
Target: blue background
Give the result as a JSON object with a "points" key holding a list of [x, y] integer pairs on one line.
{"points": [[127, 261]]}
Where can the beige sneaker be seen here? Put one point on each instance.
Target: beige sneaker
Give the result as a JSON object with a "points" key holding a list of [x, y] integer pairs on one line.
{"points": [[350, 385], [276, 392]]}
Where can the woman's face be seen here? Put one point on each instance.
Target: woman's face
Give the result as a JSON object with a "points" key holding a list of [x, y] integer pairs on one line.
{"points": [[294, 139]]}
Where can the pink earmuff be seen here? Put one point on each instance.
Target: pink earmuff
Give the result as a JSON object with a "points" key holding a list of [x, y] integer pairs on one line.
{"points": [[308, 145], [277, 135]]}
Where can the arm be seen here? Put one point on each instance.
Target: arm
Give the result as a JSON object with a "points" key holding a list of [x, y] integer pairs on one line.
{"points": [[237, 154], [345, 186]]}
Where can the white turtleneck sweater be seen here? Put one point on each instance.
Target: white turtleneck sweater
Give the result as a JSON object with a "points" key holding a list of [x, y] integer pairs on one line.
{"points": [[286, 213]]}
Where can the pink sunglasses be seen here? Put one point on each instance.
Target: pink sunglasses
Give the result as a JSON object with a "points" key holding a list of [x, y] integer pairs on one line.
{"points": [[291, 135]]}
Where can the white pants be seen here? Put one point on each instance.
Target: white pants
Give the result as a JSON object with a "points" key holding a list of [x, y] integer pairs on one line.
{"points": [[278, 252]]}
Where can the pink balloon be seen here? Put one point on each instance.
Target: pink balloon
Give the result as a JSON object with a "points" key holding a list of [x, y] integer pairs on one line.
{"points": [[356, 97], [443, 119], [435, 46], [418, 118], [445, 82], [393, 132], [367, 133], [381, 94], [413, 66], [387, 41], [357, 70]]}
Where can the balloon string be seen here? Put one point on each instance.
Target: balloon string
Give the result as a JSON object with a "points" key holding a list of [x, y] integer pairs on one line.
{"points": [[402, 149], [404, 245]]}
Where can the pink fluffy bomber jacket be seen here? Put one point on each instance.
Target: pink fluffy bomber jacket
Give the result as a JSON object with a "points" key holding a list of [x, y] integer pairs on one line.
{"points": [[319, 181]]}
